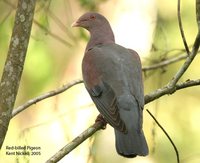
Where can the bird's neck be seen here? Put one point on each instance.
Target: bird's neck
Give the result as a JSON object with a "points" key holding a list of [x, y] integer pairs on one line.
{"points": [[100, 36]]}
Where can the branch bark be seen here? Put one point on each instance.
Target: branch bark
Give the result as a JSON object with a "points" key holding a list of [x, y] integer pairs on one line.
{"points": [[14, 63], [166, 90], [186, 64], [165, 63], [44, 96], [181, 28]]}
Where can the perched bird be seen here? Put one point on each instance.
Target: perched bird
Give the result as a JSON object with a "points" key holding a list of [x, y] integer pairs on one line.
{"points": [[113, 77]]}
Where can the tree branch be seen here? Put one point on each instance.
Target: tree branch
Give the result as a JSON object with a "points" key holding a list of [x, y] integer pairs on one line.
{"points": [[181, 29], [44, 96], [188, 83], [168, 90], [165, 63], [190, 58], [198, 13], [187, 63], [60, 24], [52, 34], [6, 16], [165, 132], [15, 61]]}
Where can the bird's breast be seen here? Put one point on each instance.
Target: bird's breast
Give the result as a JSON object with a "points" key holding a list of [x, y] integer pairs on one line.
{"points": [[91, 74]]}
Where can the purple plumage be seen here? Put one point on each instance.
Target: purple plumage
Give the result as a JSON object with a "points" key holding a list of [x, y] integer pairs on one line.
{"points": [[113, 77]]}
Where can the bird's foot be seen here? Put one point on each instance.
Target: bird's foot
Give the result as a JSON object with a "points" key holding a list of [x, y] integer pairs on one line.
{"points": [[102, 120]]}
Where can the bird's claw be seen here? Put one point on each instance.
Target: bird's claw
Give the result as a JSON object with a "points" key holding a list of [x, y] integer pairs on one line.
{"points": [[102, 120]]}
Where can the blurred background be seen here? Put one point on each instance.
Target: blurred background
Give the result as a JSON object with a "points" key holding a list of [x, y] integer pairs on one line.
{"points": [[54, 58]]}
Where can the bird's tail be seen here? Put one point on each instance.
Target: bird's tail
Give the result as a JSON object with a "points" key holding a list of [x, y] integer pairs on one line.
{"points": [[133, 142]]}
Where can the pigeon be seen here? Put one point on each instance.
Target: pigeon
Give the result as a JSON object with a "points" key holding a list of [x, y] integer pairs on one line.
{"points": [[112, 75]]}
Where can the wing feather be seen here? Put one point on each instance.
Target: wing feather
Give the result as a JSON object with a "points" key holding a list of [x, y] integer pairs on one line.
{"points": [[106, 103]]}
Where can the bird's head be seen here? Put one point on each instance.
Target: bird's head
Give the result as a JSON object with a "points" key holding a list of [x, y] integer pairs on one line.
{"points": [[90, 20], [99, 28]]}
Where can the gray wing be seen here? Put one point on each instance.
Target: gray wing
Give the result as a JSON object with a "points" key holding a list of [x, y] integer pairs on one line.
{"points": [[105, 101], [137, 82]]}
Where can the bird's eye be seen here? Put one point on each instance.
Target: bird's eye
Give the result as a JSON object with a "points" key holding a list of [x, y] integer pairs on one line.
{"points": [[92, 17]]}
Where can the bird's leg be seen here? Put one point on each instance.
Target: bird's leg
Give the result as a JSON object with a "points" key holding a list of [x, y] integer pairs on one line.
{"points": [[102, 120]]}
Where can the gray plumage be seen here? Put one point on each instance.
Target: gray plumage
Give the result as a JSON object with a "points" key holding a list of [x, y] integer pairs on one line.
{"points": [[113, 77]]}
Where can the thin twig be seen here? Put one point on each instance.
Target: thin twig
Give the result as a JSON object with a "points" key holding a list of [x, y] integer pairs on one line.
{"points": [[165, 132], [10, 4], [181, 29], [60, 24], [51, 33], [44, 96], [165, 63], [192, 55], [43, 28], [198, 13], [187, 63], [6, 17], [167, 90], [188, 83]]}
